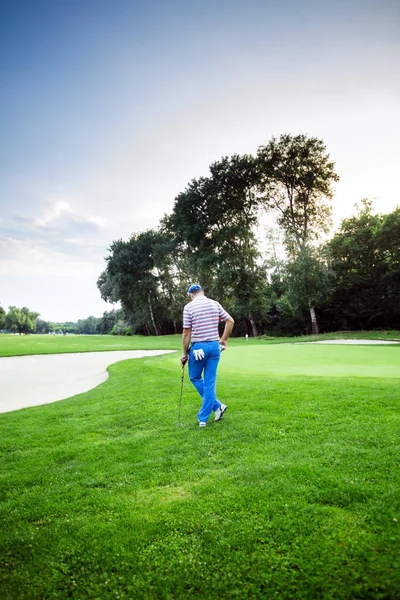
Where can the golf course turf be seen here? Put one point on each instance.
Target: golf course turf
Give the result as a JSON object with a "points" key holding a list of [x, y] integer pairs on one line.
{"points": [[294, 494]]}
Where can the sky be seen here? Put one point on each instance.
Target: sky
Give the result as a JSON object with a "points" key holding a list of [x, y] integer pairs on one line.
{"points": [[109, 108]]}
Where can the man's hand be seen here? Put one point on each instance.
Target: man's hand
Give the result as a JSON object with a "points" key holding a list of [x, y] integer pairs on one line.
{"points": [[222, 345], [184, 360]]}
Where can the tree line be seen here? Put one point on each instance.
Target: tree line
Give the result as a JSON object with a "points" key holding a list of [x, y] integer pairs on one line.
{"points": [[211, 236], [25, 321]]}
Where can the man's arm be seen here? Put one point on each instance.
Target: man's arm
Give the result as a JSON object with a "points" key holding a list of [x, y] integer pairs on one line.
{"points": [[186, 335], [229, 323]]}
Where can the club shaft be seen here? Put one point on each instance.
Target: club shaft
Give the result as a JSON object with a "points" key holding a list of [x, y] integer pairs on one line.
{"points": [[180, 399]]}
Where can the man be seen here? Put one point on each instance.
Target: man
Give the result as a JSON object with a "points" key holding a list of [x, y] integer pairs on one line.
{"points": [[200, 332]]}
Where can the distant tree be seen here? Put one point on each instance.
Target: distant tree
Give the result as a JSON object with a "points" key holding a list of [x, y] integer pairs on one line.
{"points": [[121, 327], [88, 326], [42, 326], [13, 319], [21, 320], [67, 327], [106, 323], [2, 317], [296, 182], [29, 320]]}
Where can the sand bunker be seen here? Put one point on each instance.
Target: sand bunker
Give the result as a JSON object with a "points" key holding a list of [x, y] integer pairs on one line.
{"points": [[40, 379]]}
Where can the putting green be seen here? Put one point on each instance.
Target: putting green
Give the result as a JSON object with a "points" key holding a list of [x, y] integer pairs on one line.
{"points": [[313, 360]]}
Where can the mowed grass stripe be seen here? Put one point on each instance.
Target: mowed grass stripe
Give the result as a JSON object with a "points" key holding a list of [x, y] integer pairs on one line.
{"points": [[295, 494], [314, 360]]}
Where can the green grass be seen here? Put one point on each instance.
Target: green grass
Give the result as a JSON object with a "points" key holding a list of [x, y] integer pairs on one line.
{"points": [[295, 494], [19, 345], [315, 360]]}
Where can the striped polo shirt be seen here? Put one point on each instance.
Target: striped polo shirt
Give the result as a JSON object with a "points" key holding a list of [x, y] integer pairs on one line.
{"points": [[202, 316]]}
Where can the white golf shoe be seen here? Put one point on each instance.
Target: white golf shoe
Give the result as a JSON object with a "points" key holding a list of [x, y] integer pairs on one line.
{"points": [[219, 413], [202, 424]]}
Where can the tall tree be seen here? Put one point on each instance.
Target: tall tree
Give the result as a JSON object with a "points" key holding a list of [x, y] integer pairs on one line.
{"points": [[2, 317], [213, 222], [296, 181]]}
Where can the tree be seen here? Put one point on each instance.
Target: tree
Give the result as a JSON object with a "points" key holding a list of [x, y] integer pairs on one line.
{"points": [[309, 282], [366, 261], [121, 328], [296, 182], [88, 326], [106, 323], [21, 320], [388, 247], [42, 326], [64, 327], [13, 319], [2, 317], [137, 275], [213, 222], [210, 237]]}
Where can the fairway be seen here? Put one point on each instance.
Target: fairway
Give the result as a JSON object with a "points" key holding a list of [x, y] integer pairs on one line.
{"points": [[17, 345], [313, 360], [294, 494]]}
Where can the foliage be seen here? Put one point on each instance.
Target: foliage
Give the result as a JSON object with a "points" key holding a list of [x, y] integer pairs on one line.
{"points": [[109, 320], [42, 326], [213, 222], [210, 237], [366, 261], [297, 176], [121, 328], [2, 317], [138, 274], [88, 326], [20, 320], [296, 182], [308, 280]]}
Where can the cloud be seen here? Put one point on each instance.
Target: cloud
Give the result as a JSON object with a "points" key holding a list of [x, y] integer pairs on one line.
{"points": [[24, 257], [54, 212], [59, 241]]}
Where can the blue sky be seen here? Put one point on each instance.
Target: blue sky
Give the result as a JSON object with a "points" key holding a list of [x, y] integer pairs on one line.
{"points": [[108, 109]]}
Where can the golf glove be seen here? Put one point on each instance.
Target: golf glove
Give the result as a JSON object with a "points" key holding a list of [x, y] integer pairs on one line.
{"points": [[198, 354]]}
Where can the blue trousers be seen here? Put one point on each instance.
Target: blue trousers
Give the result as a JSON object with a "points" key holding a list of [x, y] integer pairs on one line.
{"points": [[205, 386]]}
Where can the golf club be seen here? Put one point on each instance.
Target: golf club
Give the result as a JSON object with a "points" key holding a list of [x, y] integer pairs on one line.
{"points": [[180, 399]]}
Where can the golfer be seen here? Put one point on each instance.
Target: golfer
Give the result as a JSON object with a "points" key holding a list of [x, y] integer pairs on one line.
{"points": [[200, 332]]}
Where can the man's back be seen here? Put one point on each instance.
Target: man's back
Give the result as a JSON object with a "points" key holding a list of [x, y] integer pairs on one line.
{"points": [[202, 316]]}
